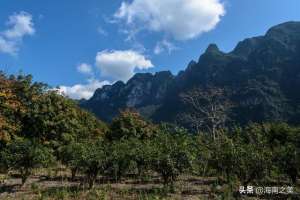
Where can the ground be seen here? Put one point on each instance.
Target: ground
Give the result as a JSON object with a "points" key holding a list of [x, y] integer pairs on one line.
{"points": [[56, 185]]}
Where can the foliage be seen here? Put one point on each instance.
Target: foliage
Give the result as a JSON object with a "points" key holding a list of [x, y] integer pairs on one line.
{"points": [[171, 155], [72, 156], [130, 124], [256, 152], [284, 141], [56, 119], [31, 110], [15, 94], [120, 160], [37, 126], [24, 156], [90, 158]]}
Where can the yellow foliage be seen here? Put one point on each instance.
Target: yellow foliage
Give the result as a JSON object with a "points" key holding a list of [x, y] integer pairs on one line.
{"points": [[10, 105]]}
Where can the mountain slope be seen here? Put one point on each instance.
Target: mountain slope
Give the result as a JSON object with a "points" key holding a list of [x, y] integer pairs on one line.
{"points": [[143, 91], [261, 76]]}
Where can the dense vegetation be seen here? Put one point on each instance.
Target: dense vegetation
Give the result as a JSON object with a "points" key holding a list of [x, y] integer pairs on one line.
{"points": [[40, 129]]}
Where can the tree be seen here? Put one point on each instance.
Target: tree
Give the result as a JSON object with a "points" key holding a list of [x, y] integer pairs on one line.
{"points": [[130, 124], [10, 107], [57, 120], [129, 156], [129, 137], [89, 157], [72, 156], [171, 155], [253, 162], [25, 155], [288, 161], [140, 154], [224, 157], [207, 109], [95, 161], [284, 142], [202, 148], [33, 110], [242, 154], [253, 153], [120, 158]]}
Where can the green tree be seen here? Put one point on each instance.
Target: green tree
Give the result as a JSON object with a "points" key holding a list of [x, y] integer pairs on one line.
{"points": [[58, 120], [72, 156], [242, 155], [287, 159], [284, 141], [140, 154], [88, 157], [24, 156], [120, 159], [130, 124], [171, 154], [95, 161]]}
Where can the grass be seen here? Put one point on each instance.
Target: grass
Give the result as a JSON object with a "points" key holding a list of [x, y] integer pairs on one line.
{"points": [[46, 185]]}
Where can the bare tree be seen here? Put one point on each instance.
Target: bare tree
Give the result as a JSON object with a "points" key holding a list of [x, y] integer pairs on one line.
{"points": [[207, 109]]}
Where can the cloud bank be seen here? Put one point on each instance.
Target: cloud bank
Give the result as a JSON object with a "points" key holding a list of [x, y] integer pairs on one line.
{"points": [[82, 91], [121, 65], [182, 19]]}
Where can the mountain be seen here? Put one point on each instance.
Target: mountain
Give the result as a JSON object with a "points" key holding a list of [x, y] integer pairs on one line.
{"points": [[261, 77], [143, 91]]}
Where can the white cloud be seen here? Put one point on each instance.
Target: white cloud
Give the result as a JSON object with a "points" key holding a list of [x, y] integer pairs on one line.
{"points": [[85, 68], [19, 26], [7, 46], [82, 91], [115, 65], [121, 65], [164, 45], [182, 19]]}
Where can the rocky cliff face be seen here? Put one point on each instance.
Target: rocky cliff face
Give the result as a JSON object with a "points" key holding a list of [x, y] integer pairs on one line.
{"points": [[262, 76], [144, 92]]}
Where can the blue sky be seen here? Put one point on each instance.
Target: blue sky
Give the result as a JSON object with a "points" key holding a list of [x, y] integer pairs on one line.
{"points": [[83, 44]]}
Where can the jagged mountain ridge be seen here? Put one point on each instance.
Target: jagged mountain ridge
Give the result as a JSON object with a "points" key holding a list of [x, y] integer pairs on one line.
{"points": [[144, 91], [262, 75]]}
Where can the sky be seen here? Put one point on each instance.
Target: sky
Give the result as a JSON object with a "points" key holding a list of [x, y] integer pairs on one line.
{"points": [[81, 45]]}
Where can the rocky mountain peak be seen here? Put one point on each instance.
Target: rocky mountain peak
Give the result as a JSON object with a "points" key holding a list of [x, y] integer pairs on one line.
{"points": [[212, 48], [287, 29], [261, 71], [245, 47]]}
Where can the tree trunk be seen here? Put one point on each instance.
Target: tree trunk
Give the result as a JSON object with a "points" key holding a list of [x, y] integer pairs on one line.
{"points": [[24, 176], [73, 171], [92, 176], [91, 182]]}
